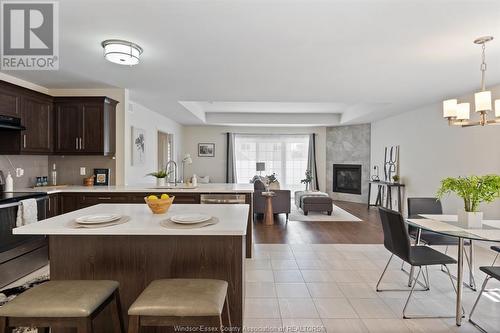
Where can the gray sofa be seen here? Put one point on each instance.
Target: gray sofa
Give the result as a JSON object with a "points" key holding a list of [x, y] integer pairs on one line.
{"points": [[281, 202]]}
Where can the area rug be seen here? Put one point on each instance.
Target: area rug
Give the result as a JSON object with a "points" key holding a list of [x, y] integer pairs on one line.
{"points": [[338, 215], [7, 295]]}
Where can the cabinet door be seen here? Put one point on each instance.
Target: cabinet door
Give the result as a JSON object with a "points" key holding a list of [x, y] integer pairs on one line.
{"points": [[68, 128], [93, 128], [10, 102], [36, 116], [52, 205], [68, 203]]}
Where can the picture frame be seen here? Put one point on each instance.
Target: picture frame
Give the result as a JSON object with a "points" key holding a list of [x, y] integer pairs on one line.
{"points": [[206, 149], [101, 177], [138, 144]]}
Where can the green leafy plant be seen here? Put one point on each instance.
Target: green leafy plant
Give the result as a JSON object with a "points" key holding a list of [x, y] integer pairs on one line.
{"points": [[159, 174], [473, 189], [272, 178], [395, 178], [308, 178]]}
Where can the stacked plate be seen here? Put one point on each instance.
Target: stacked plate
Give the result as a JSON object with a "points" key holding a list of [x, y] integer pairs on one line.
{"points": [[192, 218], [98, 219]]}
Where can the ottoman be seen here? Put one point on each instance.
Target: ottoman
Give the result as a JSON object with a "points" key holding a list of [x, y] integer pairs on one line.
{"points": [[313, 201]]}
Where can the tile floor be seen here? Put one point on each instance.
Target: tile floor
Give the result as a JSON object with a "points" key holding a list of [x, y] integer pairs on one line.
{"points": [[331, 287]]}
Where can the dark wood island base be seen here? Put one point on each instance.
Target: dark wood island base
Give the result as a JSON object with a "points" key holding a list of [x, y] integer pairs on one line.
{"points": [[135, 261]]}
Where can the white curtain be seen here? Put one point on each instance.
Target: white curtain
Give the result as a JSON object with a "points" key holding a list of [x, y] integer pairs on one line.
{"points": [[284, 155]]}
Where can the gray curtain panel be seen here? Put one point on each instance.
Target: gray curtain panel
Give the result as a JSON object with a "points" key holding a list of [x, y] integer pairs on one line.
{"points": [[311, 162], [231, 159]]}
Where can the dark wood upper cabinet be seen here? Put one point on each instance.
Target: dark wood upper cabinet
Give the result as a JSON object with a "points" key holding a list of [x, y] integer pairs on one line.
{"points": [[37, 117], [85, 125], [36, 112], [10, 99]]}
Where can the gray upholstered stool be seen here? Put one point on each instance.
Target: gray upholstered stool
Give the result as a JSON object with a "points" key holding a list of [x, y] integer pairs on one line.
{"points": [[62, 304], [172, 302]]}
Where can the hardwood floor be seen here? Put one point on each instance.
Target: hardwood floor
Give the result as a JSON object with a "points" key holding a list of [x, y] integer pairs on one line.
{"points": [[369, 231]]}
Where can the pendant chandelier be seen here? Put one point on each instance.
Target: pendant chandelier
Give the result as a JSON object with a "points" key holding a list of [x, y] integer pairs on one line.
{"points": [[458, 114]]}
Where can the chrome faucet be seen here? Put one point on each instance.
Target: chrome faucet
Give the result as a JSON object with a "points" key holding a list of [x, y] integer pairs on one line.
{"points": [[175, 170]]}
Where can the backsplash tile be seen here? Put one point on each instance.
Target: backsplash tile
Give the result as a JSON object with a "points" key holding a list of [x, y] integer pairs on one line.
{"points": [[33, 165], [68, 167]]}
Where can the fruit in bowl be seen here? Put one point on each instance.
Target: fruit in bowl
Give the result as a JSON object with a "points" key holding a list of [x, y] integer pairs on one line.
{"points": [[159, 205]]}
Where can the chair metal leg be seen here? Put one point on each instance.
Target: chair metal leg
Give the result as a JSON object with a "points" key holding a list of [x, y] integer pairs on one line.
{"points": [[472, 282], [454, 287], [385, 269], [495, 260], [483, 288], [411, 292], [383, 273]]}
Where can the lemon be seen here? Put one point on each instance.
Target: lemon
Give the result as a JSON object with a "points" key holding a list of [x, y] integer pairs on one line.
{"points": [[164, 196], [152, 197]]}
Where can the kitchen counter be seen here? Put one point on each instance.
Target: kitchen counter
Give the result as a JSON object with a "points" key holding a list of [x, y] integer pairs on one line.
{"points": [[150, 188], [140, 251], [232, 221]]}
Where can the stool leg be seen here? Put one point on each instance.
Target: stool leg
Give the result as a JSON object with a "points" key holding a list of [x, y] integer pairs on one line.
{"points": [[228, 312], [133, 324], [84, 326], [3, 326], [117, 313]]}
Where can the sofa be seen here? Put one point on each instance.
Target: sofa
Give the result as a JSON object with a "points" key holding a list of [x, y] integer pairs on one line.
{"points": [[281, 201]]}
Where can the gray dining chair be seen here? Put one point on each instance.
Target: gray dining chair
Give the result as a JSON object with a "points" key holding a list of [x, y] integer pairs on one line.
{"points": [[430, 205], [491, 272], [397, 241]]}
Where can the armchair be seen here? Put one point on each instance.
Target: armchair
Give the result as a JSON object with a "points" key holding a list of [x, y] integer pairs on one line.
{"points": [[281, 202]]}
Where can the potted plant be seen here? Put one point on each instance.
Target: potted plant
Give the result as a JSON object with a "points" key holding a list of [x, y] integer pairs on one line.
{"points": [[473, 190], [308, 179], [274, 184], [161, 177]]}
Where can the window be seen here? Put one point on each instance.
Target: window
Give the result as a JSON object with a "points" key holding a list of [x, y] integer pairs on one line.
{"points": [[285, 155]]}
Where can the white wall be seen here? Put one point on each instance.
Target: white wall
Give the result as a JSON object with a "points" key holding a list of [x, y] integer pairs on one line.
{"points": [[215, 167], [430, 150], [152, 122]]}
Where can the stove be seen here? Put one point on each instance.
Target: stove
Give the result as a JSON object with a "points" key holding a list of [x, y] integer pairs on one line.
{"points": [[7, 197]]}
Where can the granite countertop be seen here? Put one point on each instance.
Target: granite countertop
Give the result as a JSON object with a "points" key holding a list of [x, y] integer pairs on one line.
{"points": [[150, 188], [233, 219]]}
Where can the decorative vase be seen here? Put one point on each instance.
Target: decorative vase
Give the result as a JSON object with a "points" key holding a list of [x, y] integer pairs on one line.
{"points": [[274, 186], [470, 220], [161, 181]]}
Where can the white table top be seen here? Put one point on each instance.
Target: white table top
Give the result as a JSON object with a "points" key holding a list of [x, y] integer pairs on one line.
{"points": [[233, 219], [448, 225]]}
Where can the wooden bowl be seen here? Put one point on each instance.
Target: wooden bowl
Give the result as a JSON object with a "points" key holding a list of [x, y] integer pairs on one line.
{"points": [[159, 206]]}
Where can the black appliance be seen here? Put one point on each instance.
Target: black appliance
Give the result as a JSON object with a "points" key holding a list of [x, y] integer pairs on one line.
{"points": [[11, 123], [20, 254]]}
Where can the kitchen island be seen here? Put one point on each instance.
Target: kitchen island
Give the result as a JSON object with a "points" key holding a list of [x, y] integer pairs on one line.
{"points": [[142, 250], [65, 199]]}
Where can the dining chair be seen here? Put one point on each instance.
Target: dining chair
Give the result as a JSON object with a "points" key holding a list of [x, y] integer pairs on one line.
{"points": [[430, 205], [397, 241], [491, 272], [497, 250]]}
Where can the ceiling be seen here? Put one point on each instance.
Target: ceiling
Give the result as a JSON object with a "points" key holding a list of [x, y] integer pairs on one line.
{"points": [[279, 62]]}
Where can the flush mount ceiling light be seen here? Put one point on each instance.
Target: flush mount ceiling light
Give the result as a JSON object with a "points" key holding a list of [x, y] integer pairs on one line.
{"points": [[121, 52], [459, 113]]}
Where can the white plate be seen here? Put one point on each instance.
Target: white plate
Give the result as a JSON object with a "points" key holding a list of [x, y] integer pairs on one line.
{"points": [[97, 218], [190, 218]]}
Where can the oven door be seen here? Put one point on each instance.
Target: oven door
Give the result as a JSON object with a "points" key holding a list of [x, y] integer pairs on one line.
{"points": [[8, 216]]}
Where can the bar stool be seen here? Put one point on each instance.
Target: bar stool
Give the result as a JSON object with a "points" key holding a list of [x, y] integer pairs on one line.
{"points": [[69, 303], [172, 302]]}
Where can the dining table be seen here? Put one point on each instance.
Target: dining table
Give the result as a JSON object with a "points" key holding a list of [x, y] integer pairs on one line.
{"points": [[448, 225]]}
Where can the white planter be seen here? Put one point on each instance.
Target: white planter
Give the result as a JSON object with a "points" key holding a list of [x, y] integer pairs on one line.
{"points": [[161, 181], [470, 220]]}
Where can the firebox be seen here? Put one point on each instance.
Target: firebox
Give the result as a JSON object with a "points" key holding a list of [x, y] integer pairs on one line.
{"points": [[347, 178]]}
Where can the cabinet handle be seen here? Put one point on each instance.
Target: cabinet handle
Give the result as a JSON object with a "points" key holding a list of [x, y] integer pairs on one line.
{"points": [[49, 204], [80, 143], [24, 140], [76, 144], [104, 198]]}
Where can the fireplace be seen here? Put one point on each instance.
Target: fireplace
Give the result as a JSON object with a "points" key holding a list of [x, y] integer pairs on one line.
{"points": [[347, 178]]}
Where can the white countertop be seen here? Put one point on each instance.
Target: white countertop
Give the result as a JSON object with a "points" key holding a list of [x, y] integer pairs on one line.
{"points": [[150, 188], [233, 220]]}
